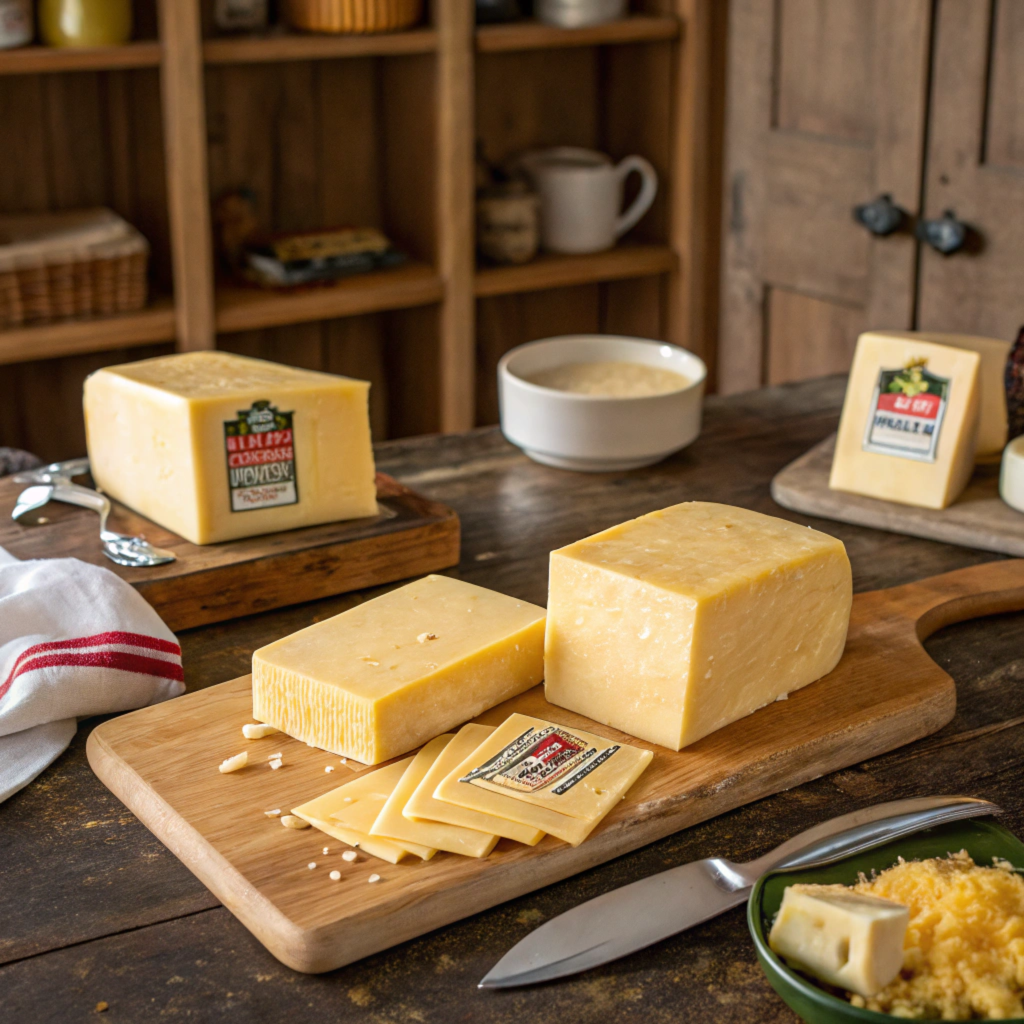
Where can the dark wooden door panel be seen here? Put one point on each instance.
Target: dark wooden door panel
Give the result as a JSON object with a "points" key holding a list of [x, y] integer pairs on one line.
{"points": [[827, 102], [976, 169]]}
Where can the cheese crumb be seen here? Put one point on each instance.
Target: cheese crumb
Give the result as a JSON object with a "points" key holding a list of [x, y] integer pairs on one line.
{"points": [[275, 757], [232, 764], [257, 730], [329, 768], [276, 763], [373, 878], [424, 637], [102, 1006], [274, 813], [311, 865], [294, 821], [335, 876], [349, 855]]}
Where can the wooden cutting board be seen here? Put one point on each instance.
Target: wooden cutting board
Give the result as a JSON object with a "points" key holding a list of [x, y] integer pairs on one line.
{"points": [[162, 762], [213, 582], [979, 518]]}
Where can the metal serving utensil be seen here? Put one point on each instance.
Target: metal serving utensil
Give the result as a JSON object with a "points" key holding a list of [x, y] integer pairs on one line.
{"points": [[55, 471], [135, 552], [637, 915]]}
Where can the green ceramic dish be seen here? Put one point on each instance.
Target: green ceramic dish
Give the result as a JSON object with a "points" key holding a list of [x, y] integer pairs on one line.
{"points": [[982, 839]]}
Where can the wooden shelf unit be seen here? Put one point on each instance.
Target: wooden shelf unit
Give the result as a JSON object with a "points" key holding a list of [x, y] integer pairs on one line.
{"points": [[382, 130]]}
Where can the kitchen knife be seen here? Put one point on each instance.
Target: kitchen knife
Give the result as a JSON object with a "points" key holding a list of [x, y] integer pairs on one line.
{"points": [[642, 913]]}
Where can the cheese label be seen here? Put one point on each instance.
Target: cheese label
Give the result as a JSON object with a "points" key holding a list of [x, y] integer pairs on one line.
{"points": [[907, 410], [260, 448], [539, 758]]}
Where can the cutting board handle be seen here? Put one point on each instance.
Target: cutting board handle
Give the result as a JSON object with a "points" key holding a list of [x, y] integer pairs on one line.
{"points": [[938, 601]]}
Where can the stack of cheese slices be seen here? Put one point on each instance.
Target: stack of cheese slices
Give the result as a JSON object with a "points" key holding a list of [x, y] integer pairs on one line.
{"points": [[667, 627]]}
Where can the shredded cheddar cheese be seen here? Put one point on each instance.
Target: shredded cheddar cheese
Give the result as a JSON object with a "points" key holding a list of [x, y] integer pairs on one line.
{"points": [[963, 957]]}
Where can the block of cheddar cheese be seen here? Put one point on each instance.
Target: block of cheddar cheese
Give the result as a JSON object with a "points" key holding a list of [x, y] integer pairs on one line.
{"points": [[216, 446], [909, 426], [675, 624], [384, 677]]}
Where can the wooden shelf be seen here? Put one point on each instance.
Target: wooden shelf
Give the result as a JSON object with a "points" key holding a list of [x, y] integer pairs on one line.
{"points": [[246, 309], [535, 35], [29, 60], [549, 271], [295, 46], [100, 334]]}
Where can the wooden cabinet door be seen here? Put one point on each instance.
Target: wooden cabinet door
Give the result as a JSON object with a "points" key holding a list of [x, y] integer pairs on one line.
{"points": [[826, 110], [975, 167]]}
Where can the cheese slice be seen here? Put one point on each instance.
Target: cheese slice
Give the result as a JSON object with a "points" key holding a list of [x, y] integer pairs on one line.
{"points": [[216, 446], [529, 770], [422, 806], [453, 838], [994, 352], [675, 624], [386, 676], [847, 939], [360, 802], [318, 813], [909, 425]]}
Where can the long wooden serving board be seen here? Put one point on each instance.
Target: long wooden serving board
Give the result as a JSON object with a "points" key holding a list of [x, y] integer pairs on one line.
{"points": [[162, 762], [213, 582], [979, 518]]}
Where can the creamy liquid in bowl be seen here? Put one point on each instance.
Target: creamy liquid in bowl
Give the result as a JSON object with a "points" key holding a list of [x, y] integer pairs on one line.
{"points": [[610, 379]]}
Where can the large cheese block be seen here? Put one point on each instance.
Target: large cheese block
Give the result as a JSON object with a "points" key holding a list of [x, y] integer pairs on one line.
{"points": [[215, 446], [675, 624], [992, 413], [909, 425], [388, 675]]}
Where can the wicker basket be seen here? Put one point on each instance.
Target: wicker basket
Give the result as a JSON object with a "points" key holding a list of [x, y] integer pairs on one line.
{"points": [[63, 266], [353, 15]]}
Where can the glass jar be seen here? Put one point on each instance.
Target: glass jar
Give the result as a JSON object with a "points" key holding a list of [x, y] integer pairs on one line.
{"points": [[85, 22]]}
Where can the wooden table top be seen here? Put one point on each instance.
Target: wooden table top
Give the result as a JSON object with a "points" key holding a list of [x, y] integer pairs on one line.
{"points": [[93, 908]]}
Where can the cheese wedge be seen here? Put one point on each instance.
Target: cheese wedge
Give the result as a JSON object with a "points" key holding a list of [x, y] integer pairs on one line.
{"points": [[359, 803], [909, 427], [386, 676], [453, 838], [560, 780], [216, 446], [847, 939], [422, 806], [318, 813], [675, 624], [993, 352]]}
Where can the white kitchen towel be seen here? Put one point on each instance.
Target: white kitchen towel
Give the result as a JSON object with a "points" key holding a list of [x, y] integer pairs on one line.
{"points": [[75, 641]]}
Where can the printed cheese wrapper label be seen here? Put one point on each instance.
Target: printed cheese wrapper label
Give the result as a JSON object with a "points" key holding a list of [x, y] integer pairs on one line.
{"points": [[906, 413], [539, 758], [260, 448]]}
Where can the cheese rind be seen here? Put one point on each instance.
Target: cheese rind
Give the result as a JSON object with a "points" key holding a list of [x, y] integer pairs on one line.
{"points": [[844, 938], [590, 787], [453, 838], [992, 416], [901, 443], [422, 806], [675, 624], [216, 446], [364, 686]]}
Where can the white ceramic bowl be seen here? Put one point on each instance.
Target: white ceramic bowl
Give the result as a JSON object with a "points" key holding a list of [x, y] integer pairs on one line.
{"points": [[594, 433]]}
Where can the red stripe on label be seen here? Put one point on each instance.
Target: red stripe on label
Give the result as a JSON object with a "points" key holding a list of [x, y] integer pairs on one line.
{"points": [[924, 406]]}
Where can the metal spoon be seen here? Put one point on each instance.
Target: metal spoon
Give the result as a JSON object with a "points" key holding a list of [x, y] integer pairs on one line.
{"points": [[118, 547], [61, 472]]}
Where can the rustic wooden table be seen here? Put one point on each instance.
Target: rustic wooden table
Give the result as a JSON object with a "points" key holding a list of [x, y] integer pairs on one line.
{"points": [[93, 908]]}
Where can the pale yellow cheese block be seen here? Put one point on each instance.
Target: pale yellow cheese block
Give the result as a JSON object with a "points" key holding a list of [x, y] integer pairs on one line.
{"points": [[422, 806], [164, 438], [318, 813], [358, 804], [588, 795], [453, 838], [675, 624], [370, 684], [992, 420], [884, 452]]}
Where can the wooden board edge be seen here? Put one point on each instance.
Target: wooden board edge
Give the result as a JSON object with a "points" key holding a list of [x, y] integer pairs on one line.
{"points": [[317, 950]]}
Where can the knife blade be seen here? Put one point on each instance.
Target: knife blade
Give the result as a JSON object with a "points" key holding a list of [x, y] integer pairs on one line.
{"points": [[637, 915]]}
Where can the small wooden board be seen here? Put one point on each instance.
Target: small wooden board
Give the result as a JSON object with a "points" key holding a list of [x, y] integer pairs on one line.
{"points": [[162, 762], [979, 518], [213, 582]]}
